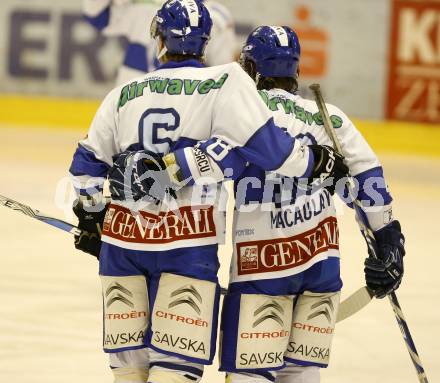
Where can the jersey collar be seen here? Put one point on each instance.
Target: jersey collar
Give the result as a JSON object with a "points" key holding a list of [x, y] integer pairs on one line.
{"points": [[180, 64]]}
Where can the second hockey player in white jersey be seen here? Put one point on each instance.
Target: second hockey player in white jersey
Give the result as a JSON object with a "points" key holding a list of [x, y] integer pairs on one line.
{"points": [[280, 310], [132, 18], [158, 267]]}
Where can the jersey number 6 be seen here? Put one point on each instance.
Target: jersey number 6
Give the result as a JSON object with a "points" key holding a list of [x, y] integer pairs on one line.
{"points": [[155, 129]]}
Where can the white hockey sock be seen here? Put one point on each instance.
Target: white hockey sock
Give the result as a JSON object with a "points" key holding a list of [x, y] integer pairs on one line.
{"points": [[172, 369], [130, 366], [298, 374], [249, 378]]}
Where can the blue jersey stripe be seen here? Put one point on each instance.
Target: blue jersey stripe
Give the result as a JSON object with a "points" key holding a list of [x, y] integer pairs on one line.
{"points": [[372, 181], [136, 57], [85, 163], [184, 168], [101, 20], [269, 147], [182, 142]]}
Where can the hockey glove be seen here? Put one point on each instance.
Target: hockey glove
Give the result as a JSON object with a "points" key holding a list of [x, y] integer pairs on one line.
{"points": [[328, 169], [136, 175], [384, 274], [90, 222]]}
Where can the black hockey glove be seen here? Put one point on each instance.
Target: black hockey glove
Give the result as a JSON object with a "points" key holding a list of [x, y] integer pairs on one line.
{"points": [[384, 274], [90, 222], [136, 175], [328, 169]]}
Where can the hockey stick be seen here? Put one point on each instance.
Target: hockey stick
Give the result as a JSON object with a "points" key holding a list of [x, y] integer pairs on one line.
{"points": [[347, 308], [354, 303], [369, 238], [58, 223]]}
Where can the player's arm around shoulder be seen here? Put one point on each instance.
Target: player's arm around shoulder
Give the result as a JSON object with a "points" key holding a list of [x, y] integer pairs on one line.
{"points": [[217, 158], [241, 119], [242, 131], [243, 126]]}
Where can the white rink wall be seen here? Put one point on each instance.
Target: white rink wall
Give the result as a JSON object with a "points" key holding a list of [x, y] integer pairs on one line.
{"points": [[375, 59], [46, 48]]}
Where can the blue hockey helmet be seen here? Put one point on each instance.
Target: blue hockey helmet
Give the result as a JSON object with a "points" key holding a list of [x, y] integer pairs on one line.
{"points": [[275, 50], [184, 25]]}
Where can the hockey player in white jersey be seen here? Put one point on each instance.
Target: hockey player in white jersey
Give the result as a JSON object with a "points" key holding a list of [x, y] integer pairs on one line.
{"points": [[280, 310], [159, 268], [132, 18], [129, 19], [222, 47]]}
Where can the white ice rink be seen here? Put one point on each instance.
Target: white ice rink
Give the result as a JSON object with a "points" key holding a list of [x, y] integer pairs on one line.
{"points": [[50, 310]]}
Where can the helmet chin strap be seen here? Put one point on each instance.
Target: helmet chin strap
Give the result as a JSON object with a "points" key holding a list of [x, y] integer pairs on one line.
{"points": [[257, 78], [162, 51]]}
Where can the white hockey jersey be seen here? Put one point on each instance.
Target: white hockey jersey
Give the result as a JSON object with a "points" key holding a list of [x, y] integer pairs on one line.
{"points": [[132, 19], [222, 46], [281, 230], [170, 109]]}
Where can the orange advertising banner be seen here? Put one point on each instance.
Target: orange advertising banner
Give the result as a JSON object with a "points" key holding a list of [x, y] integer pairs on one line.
{"points": [[414, 65], [314, 43]]}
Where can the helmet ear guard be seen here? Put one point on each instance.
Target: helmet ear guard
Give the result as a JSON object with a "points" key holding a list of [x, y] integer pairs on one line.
{"points": [[249, 67], [153, 28], [156, 36]]}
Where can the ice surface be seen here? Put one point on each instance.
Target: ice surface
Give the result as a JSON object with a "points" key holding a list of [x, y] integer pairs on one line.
{"points": [[50, 316]]}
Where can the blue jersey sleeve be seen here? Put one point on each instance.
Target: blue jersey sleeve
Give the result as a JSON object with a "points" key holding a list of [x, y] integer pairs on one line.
{"points": [[270, 148], [97, 13], [373, 189], [210, 161]]}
